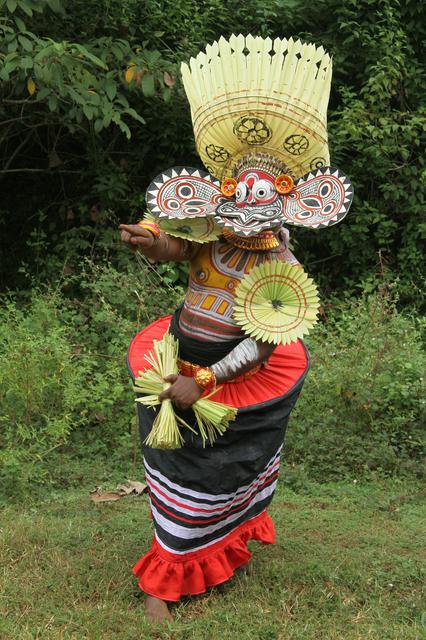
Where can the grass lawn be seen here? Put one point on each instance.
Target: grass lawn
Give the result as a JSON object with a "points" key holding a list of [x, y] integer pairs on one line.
{"points": [[347, 565]]}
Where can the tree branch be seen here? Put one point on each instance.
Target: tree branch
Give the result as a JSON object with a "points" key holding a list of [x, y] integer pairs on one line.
{"points": [[17, 150], [25, 101]]}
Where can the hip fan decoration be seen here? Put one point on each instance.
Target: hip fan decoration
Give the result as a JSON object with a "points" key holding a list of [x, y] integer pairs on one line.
{"points": [[276, 303], [195, 229]]}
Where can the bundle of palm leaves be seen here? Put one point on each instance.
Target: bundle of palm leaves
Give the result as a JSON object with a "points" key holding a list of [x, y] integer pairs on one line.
{"points": [[212, 417]]}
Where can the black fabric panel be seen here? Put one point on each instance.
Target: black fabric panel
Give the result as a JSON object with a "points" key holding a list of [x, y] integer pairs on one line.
{"points": [[203, 502], [175, 514], [197, 351], [236, 458]]}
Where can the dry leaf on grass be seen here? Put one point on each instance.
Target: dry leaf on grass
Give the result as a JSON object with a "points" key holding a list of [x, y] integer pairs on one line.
{"points": [[132, 486], [104, 496], [124, 489]]}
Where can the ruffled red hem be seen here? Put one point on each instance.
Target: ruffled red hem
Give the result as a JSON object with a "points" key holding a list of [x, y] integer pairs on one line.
{"points": [[170, 576]]}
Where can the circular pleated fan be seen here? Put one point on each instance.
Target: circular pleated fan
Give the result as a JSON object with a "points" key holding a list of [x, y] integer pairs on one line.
{"points": [[276, 303], [195, 229]]}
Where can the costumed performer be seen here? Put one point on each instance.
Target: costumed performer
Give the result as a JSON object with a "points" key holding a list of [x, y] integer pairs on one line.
{"points": [[258, 109]]}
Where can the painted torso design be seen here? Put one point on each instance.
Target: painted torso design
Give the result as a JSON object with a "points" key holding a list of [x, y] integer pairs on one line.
{"points": [[215, 272]]}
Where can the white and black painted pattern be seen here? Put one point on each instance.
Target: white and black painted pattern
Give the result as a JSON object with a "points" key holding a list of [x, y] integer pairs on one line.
{"points": [[319, 199], [244, 356], [183, 193]]}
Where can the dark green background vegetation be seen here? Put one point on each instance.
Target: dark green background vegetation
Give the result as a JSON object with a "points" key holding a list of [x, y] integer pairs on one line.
{"points": [[80, 143]]}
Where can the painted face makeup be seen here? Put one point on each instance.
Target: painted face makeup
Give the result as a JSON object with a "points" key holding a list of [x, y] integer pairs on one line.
{"points": [[257, 206]]}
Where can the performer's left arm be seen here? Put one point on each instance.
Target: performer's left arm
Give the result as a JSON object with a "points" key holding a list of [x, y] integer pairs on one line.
{"points": [[184, 391]]}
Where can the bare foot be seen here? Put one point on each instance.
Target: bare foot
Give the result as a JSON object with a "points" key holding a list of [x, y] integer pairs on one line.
{"points": [[156, 610]]}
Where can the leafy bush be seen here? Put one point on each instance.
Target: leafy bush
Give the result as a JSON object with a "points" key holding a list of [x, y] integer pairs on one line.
{"points": [[64, 385], [63, 369], [39, 390], [362, 409]]}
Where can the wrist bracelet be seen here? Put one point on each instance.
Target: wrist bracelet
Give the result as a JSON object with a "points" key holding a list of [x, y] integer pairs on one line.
{"points": [[151, 227], [205, 378]]}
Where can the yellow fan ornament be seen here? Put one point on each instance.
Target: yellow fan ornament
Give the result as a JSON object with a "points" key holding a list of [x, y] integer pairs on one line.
{"points": [[200, 230], [276, 303]]}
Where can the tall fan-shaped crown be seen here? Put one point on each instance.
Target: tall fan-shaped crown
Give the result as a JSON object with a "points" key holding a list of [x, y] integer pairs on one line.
{"points": [[257, 94]]}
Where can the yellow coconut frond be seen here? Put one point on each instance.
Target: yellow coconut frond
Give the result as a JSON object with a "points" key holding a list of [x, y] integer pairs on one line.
{"points": [[252, 94], [212, 417]]}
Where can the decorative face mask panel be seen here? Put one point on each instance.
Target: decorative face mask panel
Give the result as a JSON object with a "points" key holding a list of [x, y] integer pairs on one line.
{"points": [[184, 193], [256, 208], [319, 199]]}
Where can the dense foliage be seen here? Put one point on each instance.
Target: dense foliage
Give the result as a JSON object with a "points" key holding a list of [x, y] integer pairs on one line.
{"points": [[362, 409], [74, 88], [63, 367]]}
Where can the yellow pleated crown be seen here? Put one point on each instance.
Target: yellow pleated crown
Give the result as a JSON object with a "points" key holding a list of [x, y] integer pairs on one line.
{"points": [[251, 94]]}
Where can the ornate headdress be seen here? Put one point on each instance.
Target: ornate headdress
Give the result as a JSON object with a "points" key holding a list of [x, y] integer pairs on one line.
{"points": [[257, 94], [259, 113]]}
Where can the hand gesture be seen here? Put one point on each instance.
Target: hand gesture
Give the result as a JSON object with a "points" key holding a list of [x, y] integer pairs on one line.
{"points": [[183, 392], [136, 237]]}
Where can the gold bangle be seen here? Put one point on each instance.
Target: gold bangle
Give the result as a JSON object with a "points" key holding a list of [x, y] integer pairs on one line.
{"points": [[205, 378], [151, 227]]}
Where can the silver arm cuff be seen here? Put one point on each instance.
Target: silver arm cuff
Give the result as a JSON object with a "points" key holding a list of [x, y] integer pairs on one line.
{"points": [[245, 355]]}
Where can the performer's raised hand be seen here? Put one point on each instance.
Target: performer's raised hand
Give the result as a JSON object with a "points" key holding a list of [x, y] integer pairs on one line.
{"points": [[136, 237], [154, 244], [183, 392]]}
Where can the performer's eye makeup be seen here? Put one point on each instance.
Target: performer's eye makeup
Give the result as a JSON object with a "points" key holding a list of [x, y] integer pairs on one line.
{"points": [[262, 190], [241, 192]]}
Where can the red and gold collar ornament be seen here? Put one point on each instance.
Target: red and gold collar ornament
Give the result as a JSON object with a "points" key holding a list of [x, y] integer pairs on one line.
{"points": [[284, 184], [263, 242]]}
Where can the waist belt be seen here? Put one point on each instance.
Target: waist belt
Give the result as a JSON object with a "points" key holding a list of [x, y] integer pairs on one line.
{"points": [[189, 370]]}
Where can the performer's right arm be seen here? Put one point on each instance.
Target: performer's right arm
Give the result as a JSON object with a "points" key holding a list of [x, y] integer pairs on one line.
{"points": [[245, 356], [164, 247]]}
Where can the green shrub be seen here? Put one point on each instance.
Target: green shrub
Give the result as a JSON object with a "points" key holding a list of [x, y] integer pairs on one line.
{"points": [[39, 387], [362, 408], [63, 375], [66, 400]]}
